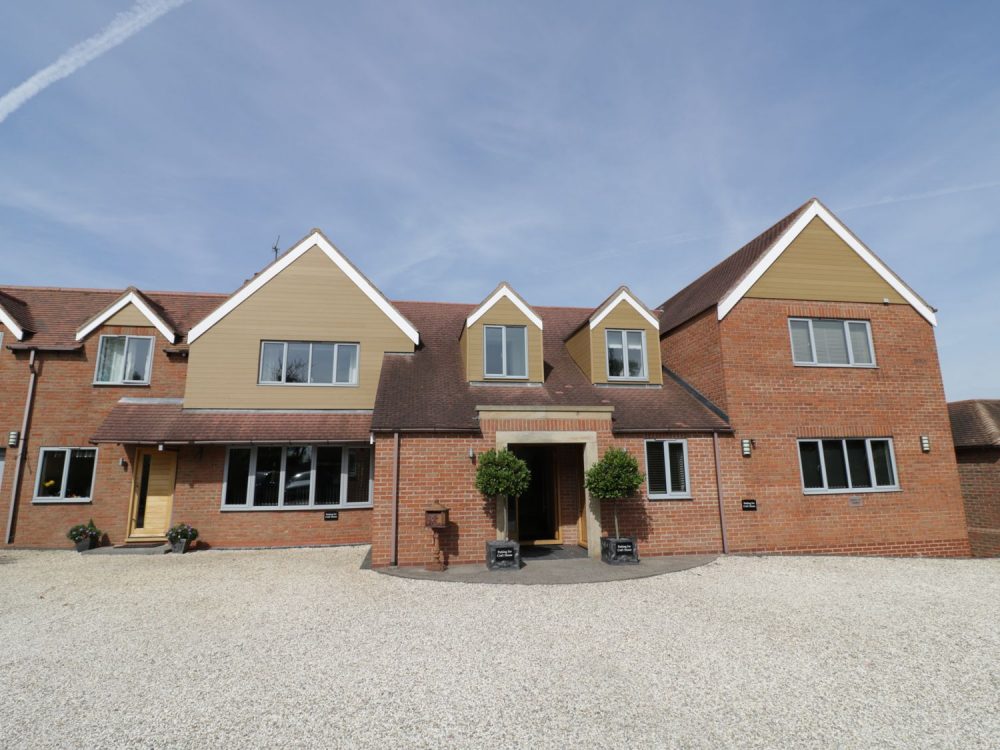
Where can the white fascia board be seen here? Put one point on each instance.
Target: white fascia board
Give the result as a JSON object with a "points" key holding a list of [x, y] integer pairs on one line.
{"points": [[284, 262], [623, 296], [503, 291], [129, 299], [728, 302], [11, 325]]}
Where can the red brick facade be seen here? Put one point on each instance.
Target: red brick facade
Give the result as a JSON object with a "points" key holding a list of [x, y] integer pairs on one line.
{"points": [[774, 402], [979, 469]]}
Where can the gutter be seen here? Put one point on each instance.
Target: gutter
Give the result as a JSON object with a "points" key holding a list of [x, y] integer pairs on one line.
{"points": [[19, 463], [718, 489]]}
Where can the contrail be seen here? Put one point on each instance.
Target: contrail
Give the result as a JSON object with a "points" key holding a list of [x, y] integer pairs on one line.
{"points": [[122, 26], [922, 196]]}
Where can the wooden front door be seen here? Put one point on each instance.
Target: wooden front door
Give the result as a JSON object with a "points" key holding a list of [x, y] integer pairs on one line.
{"points": [[152, 493]]}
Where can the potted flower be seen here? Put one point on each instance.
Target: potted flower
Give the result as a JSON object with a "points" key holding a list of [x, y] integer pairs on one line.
{"points": [[614, 477], [84, 535], [499, 473], [180, 536]]}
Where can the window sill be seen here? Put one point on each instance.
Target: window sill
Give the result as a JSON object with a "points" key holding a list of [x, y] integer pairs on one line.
{"points": [[488, 378], [308, 385], [121, 385], [661, 498], [836, 367], [61, 500], [859, 491], [280, 508]]}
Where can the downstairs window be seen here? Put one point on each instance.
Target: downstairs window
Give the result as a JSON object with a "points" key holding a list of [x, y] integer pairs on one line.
{"points": [[847, 465], [667, 469], [65, 475], [298, 476]]}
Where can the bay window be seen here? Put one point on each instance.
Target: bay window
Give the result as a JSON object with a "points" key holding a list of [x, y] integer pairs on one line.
{"points": [[297, 476], [847, 465]]}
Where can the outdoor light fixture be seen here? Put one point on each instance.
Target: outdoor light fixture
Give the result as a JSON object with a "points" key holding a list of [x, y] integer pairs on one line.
{"points": [[160, 447], [12, 438], [925, 443], [472, 455], [748, 445], [123, 463]]}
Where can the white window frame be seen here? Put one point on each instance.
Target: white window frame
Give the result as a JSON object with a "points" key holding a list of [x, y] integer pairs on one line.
{"points": [[669, 494], [62, 490], [284, 360], [850, 489], [503, 353], [128, 338], [847, 339], [312, 505], [607, 351]]}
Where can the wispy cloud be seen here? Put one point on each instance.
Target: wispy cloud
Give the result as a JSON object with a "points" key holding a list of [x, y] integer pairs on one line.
{"points": [[122, 26]]}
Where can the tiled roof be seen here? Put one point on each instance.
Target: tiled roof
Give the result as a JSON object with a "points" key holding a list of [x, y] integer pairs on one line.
{"points": [[427, 390], [709, 288], [54, 315], [975, 423], [165, 421]]}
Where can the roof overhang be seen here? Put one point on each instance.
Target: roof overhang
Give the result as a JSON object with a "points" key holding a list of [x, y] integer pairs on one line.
{"points": [[623, 296], [503, 292], [314, 239], [10, 324], [130, 298], [818, 210]]}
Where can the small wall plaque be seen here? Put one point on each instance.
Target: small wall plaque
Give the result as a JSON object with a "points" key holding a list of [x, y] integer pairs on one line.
{"points": [[856, 501], [331, 515], [750, 505]]}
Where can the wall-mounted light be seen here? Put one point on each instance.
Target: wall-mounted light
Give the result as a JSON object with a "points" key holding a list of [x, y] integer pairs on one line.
{"points": [[472, 455], [748, 445], [160, 447], [925, 443], [123, 462], [12, 438]]}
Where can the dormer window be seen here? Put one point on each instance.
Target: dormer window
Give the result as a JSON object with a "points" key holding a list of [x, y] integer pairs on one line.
{"points": [[124, 360], [506, 351], [626, 354]]}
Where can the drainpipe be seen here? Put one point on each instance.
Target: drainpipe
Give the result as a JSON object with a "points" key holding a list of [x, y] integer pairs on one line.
{"points": [[394, 560], [19, 462], [718, 487]]}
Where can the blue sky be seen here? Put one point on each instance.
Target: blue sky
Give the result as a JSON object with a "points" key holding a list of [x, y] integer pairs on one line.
{"points": [[566, 147]]}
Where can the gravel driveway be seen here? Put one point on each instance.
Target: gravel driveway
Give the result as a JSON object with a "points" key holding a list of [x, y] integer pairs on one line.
{"points": [[302, 648]]}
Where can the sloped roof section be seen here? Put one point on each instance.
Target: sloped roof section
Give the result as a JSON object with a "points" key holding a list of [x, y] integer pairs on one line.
{"points": [[726, 284], [975, 423], [131, 296], [314, 239], [428, 390], [54, 316], [151, 421], [14, 314], [706, 291], [503, 291]]}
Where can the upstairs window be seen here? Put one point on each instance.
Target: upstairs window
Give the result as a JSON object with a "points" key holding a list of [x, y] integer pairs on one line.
{"points": [[849, 465], [626, 355], [124, 360], [65, 475], [831, 343], [506, 351], [308, 363], [667, 469]]}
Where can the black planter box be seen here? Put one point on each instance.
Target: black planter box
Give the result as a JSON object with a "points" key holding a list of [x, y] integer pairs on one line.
{"points": [[85, 544], [623, 550], [503, 555]]}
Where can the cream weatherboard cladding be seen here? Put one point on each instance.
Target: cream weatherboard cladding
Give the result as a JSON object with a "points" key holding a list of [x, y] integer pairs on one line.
{"points": [[502, 312], [130, 315], [311, 299], [818, 265]]}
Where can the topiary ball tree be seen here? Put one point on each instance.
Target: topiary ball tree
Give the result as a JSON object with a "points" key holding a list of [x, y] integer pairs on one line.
{"points": [[614, 477], [502, 473]]}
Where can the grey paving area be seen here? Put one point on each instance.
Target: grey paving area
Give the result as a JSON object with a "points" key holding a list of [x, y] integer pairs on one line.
{"points": [[556, 570], [304, 648]]}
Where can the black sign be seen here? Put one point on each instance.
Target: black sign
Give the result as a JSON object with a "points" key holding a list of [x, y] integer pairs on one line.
{"points": [[504, 553], [331, 515], [625, 548], [749, 505]]}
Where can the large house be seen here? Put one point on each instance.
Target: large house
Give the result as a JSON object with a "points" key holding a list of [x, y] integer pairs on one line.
{"points": [[789, 400], [975, 426]]}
